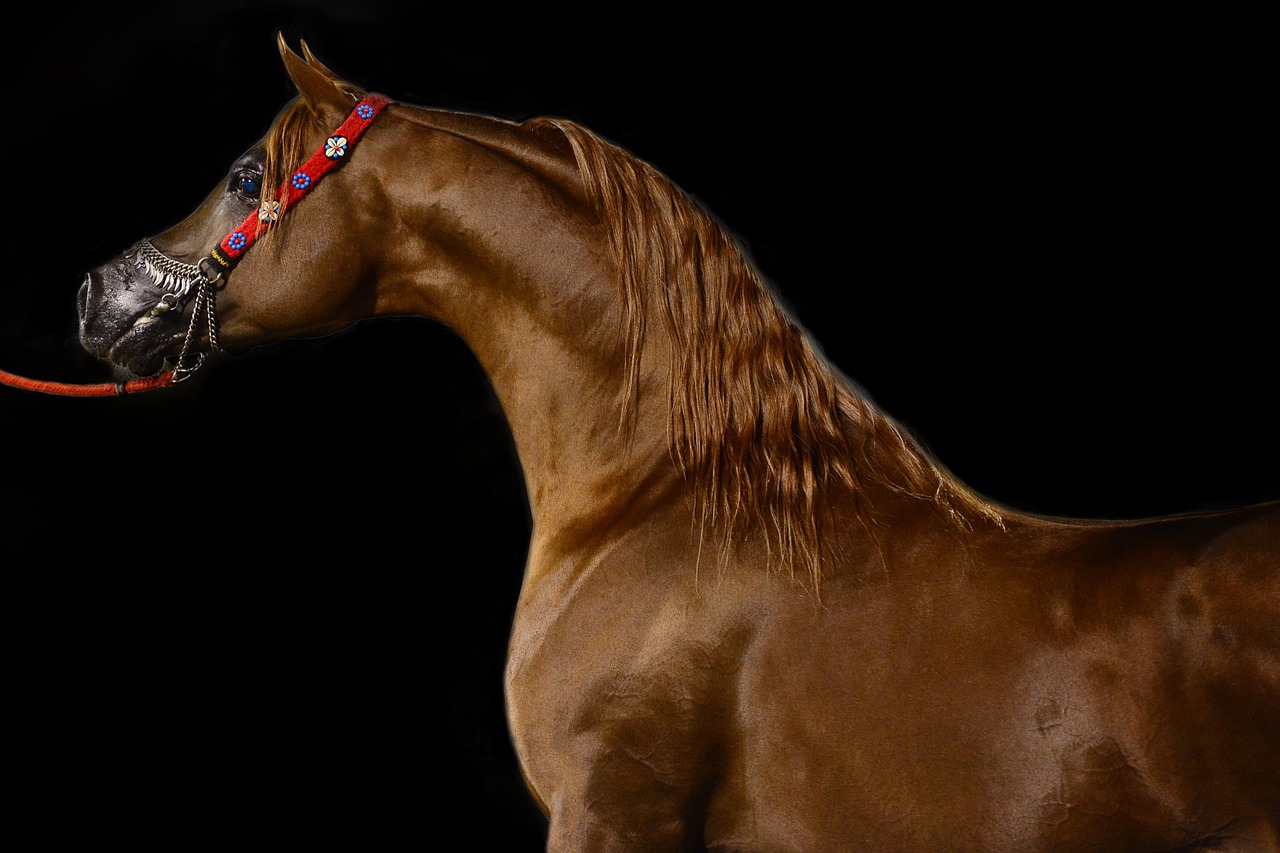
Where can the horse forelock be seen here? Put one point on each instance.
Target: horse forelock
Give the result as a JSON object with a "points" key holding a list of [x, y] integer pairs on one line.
{"points": [[285, 146], [288, 141], [762, 428]]}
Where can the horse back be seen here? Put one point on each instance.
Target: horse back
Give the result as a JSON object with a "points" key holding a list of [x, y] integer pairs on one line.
{"points": [[1042, 685]]}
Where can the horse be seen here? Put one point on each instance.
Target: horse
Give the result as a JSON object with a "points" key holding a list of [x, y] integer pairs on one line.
{"points": [[756, 614]]}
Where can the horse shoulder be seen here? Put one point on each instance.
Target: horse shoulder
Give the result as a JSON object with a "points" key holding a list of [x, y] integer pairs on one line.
{"points": [[632, 682], [615, 680]]}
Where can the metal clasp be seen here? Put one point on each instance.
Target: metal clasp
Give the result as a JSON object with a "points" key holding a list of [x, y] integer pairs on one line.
{"points": [[209, 270], [167, 303]]}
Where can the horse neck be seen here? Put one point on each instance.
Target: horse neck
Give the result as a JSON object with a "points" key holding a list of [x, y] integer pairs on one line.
{"points": [[707, 391], [500, 245]]}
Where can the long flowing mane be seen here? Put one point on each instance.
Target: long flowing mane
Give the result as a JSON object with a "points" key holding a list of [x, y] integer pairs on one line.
{"points": [[762, 427]]}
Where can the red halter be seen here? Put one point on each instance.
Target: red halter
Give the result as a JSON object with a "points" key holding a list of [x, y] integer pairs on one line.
{"points": [[231, 249], [335, 150]]}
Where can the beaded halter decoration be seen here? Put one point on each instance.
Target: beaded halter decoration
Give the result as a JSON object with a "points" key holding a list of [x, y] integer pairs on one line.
{"points": [[178, 278]]}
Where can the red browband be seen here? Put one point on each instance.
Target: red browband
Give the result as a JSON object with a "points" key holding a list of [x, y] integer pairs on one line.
{"points": [[335, 150]]}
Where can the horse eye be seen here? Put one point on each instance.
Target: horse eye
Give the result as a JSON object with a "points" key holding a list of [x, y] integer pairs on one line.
{"points": [[248, 185]]}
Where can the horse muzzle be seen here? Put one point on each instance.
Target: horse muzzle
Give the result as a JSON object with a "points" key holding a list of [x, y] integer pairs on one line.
{"points": [[117, 323]]}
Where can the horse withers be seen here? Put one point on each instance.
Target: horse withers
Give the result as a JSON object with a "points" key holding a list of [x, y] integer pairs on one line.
{"points": [[755, 614]]}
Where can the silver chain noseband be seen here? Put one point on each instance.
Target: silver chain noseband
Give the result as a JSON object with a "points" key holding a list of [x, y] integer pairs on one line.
{"points": [[177, 278]]}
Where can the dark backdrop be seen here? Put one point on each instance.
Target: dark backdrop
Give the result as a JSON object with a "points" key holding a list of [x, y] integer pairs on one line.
{"points": [[274, 603]]}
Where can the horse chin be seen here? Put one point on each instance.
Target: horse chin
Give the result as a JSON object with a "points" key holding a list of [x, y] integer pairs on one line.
{"points": [[141, 350]]}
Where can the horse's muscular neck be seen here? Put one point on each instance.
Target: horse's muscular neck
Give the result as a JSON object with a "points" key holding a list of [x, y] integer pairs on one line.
{"points": [[500, 245]]}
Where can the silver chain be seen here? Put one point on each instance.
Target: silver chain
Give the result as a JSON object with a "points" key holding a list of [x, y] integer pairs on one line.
{"points": [[165, 272], [205, 295], [177, 278]]}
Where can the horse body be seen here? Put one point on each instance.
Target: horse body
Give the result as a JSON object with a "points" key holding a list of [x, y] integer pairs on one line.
{"points": [[932, 673], [1048, 686]]}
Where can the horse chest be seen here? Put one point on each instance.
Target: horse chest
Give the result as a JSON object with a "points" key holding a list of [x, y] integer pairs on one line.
{"points": [[617, 688]]}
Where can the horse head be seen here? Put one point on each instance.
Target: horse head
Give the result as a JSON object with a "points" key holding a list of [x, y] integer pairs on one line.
{"points": [[145, 305]]}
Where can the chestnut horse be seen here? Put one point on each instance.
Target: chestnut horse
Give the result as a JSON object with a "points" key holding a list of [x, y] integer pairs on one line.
{"points": [[755, 616]]}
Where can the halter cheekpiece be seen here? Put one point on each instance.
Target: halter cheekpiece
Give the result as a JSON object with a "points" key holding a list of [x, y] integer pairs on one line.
{"points": [[178, 278]]}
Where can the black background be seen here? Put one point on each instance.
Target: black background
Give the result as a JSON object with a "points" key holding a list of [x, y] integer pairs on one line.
{"points": [[273, 604]]}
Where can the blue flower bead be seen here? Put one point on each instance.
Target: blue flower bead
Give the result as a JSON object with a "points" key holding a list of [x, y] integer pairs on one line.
{"points": [[301, 181], [364, 111], [237, 240]]}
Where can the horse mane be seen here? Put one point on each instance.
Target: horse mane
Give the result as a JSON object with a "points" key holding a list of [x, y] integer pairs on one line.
{"points": [[762, 429], [761, 426]]}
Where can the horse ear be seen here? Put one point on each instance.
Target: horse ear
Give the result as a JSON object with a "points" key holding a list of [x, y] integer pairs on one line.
{"points": [[319, 87], [314, 62]]}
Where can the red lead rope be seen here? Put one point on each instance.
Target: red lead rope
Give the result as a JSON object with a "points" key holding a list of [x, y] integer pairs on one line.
{"points": [[100, 389], [229, 251]]}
